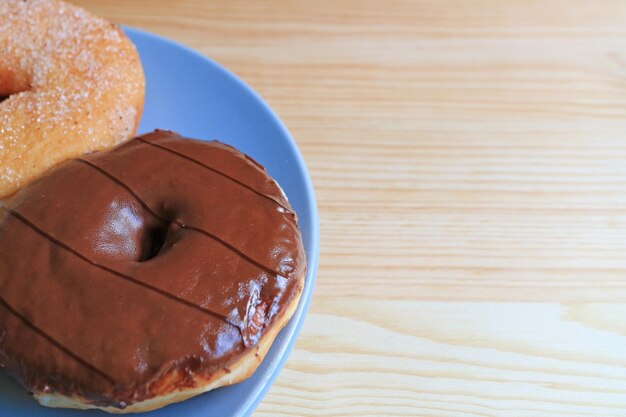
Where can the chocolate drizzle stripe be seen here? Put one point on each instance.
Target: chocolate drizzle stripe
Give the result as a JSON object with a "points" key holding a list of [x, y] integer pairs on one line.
{"points": [[117, 273], [218, 172], [55, 342], [178, 222]]}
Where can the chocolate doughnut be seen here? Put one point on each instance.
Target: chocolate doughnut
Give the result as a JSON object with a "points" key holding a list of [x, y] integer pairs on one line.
{"points": [[144, 275]]}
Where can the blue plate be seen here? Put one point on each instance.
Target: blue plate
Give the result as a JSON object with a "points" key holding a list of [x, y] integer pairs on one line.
{"points": [[188, 93]]}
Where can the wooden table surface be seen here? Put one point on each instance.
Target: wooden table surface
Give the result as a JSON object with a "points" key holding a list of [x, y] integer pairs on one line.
{"points": [[469, 159]]}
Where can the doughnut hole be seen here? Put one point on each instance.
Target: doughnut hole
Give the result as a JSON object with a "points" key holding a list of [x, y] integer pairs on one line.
{"points": [[155, 239], [13, 79], [127, 232], [159, 234]]}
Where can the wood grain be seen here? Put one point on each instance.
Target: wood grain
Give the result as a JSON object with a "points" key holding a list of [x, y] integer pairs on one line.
{"points": [[470, 165]]}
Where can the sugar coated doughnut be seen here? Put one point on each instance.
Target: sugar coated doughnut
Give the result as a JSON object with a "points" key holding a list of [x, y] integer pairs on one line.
{"points": [[70, 83]]}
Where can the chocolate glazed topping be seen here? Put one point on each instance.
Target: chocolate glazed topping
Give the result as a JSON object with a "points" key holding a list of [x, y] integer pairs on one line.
{"points": [[164, 255]]}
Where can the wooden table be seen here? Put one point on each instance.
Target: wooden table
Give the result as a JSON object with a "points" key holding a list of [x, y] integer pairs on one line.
{"points": [[470, 165]]}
